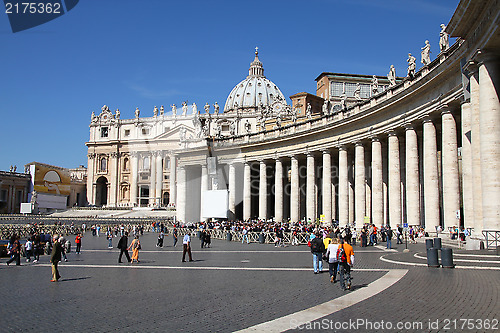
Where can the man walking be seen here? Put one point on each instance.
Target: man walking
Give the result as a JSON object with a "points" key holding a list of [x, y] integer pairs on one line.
{"points": [[78, 242], [175, 236], [388, 237], [123, 246], [186, 247], [15, 251], [317, 250], [55, 257]]}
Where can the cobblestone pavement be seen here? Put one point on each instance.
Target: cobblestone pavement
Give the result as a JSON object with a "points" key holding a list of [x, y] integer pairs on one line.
{"points": [[234, 286]]}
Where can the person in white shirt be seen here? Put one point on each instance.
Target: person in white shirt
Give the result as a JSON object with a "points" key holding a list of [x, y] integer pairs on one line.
{"points": [[186, 247], [29, 249], [331, 254]]}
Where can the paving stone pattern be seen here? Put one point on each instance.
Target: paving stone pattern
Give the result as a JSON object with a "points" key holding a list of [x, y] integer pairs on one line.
{"points": [[127, 298]]}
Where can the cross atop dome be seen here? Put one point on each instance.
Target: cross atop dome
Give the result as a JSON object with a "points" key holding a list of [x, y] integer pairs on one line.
{"points": [[256, 68]]}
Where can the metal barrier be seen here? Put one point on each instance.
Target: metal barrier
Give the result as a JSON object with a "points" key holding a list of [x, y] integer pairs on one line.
{"points": [[253, 237], [492, 238]]}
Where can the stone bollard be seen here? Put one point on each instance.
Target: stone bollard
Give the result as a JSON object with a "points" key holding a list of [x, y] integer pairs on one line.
{"points": [[229, 237], [447, 258], [429, 243], [262, 238], [437, 243], [432, 257]]}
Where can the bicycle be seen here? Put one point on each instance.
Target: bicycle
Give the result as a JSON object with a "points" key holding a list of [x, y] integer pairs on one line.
{"points": [[345, 279]]}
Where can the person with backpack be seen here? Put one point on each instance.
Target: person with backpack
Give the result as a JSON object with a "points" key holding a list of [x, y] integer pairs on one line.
{"points": [[317, 250], [345, 256], [333, 263]]}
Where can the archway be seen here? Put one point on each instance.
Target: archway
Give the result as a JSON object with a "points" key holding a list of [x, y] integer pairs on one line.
{"points": [[166, 198], [101, 194]]}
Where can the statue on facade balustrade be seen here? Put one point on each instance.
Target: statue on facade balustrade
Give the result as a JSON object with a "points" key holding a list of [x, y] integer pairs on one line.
{"points": [[117, 114], [216, 108], [137, 112], [343, 103], [374, 85], [184, 108], [412, 65], [294, 115], [309, 111], [392, 76], [93, 117], [195, 108], [155, 112], [162, 111], [207, 108], [357, 92], [426, 54], [324, 109], [444, 39]]}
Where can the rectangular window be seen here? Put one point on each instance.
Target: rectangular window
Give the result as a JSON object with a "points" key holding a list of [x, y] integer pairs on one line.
{"points": [[3, 195], [127, 132], [145, 131], [349, 89], [104, 132], [167, 177], [365, 91], [337, 88]]}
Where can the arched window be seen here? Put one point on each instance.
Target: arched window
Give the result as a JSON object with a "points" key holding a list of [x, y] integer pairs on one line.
{"points": [[103, 164], [125, 164]]}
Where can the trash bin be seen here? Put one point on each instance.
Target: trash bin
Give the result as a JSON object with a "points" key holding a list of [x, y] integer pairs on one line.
{"points": [[262, 238], [432, 257], [229, 237], [429, 243], [447, 258], [437, 243]]}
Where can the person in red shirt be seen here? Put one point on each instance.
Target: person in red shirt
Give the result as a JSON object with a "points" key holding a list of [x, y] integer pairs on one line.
{"points": [[78, 242]]}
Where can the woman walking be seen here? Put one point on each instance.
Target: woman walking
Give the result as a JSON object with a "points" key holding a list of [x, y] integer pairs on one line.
{"points": [[135, 246]]}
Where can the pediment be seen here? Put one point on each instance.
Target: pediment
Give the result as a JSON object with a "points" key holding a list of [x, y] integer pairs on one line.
{"points": [[176, 133]]}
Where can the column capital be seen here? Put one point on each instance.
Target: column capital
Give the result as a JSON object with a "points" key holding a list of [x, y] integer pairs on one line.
{"points": [[325, 151], [409, 127], [483, 56], [444, 109], [392, 132], [426, 120], [358, 143], [134, 154], [472, 66], [375, 138]]}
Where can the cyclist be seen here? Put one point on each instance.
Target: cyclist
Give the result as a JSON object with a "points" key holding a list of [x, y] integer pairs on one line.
{"points": [[345, 253]]}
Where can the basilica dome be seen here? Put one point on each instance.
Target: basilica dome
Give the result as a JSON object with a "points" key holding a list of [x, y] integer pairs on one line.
{"points": [[255, 90]]}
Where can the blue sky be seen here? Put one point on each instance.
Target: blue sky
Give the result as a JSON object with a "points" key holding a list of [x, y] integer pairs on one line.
{"points": [[131, 53]]}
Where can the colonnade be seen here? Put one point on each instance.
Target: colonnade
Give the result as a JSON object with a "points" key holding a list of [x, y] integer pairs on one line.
{"points": [[406, 175]]}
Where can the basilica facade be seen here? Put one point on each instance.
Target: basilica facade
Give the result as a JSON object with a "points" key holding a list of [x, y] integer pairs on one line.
{"points": [[422, 150]]}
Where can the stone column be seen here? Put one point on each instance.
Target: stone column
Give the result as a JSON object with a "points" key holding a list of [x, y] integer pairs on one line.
{"points": [[181, 194], [477, 193], [114, 168], [173, 179], [310, 189], [327, 187], [412, 177], [262, 190], [134, 172], [343, 188], [394, 180], [247, 192], [204, 187], [431, 184], [489, 122], [159, 178], [278, 191], [152, 178], [294, 190], [359, 184], [451, 191], [467, 190], [377, 184], [90, 178], [232, 191]]}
